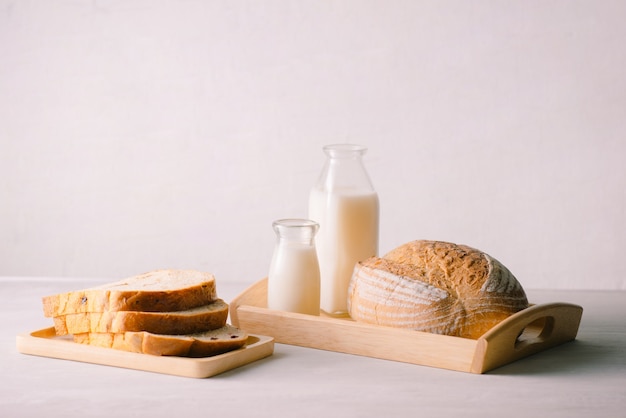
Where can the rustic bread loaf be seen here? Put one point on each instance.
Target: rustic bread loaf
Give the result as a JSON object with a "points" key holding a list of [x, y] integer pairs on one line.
{"points": [[436, 287], [218, 341], [160, 290], [203, 318]]}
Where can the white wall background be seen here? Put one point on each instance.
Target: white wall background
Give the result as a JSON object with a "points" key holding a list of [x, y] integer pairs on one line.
{"points": [[143, 134]]}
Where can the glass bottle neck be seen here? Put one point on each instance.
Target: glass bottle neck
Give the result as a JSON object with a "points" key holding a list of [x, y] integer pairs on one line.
{"points": [[344, 151], [297, 231], [344, 169]]}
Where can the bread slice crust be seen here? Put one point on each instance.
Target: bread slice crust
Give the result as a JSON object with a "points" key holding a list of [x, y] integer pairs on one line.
{"points": [[199, 319], [154, 291], [210, 343]]}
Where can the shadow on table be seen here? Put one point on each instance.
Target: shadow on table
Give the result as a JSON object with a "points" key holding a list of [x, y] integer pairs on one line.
{"points": [[578, 356], [246, 368]]}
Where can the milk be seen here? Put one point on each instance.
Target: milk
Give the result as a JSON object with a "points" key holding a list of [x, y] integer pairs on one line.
{"points": [[294, 279], [348, 234]]}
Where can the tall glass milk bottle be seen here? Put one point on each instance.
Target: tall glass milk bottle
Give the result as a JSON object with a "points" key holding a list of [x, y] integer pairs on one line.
{"points": [[294, 276], [345, 205]]}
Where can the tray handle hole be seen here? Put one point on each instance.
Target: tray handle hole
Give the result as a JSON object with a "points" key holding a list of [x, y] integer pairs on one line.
{"points": [[536, 332]]}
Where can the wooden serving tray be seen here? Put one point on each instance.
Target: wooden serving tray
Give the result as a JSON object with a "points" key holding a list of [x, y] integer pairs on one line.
{"points": [[46, 343], [527, 332]]}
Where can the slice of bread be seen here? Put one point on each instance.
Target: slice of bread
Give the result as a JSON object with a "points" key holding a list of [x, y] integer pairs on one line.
{"points": [[155, 291], [199, 319], [218, 341]]}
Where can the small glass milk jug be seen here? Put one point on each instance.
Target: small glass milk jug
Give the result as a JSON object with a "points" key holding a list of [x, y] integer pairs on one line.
{"points": [[294, 276], [346, 207]]}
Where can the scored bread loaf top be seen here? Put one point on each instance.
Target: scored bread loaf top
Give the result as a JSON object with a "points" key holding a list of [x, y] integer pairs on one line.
{"points": [[199, 319], [436, 287], [159, 290], [218, 341]]}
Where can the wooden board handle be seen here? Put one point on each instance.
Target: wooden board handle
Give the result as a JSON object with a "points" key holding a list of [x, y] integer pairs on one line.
{"points": [[527, 332]]}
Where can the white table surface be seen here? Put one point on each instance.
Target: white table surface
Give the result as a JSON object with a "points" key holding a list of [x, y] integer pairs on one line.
{"points": [[583, 378]]}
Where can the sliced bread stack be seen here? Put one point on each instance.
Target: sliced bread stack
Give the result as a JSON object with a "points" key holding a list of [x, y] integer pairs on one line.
{"points": [[163, 312]]}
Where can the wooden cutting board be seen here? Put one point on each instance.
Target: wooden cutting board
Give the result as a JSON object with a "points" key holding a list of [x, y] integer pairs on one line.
{"points": [[46, 343]]}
